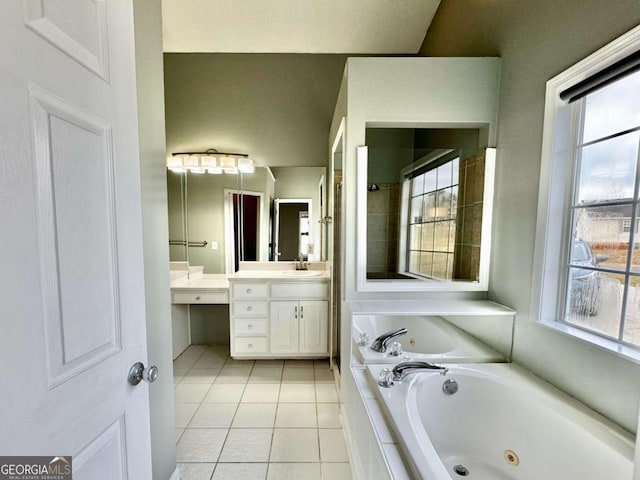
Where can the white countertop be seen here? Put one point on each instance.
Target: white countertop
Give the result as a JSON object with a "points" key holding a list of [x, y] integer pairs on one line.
{"points": [[284, 275], [202, 281], [452, 307]]}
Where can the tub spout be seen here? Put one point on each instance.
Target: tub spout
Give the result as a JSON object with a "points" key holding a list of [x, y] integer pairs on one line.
{"points": [[402, 370], [381, 343]]}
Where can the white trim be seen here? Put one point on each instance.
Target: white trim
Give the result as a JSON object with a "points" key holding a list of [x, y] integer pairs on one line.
{"points": [[487, 216], [336, 146], [352, 450], [555, 177], [270, 172], [404, 224], [320, 251], [606, 344], [229, 227]]}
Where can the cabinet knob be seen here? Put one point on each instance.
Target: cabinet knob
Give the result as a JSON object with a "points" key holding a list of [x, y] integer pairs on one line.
{"points": [[249, 327], [198, 297], [249, 309], [248, 290], [250, 345]]}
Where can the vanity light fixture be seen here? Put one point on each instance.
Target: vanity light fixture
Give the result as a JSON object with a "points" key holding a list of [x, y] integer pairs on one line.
{"points": [[210, 161]]}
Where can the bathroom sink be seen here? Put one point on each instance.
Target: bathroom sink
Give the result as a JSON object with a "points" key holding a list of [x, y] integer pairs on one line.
{"points": [[301, 273]]}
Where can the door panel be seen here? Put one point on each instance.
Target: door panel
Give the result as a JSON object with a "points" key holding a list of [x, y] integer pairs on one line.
{"points": [[313, 327], [78, 265], [283, 336], [72, 290], [76, 28]]}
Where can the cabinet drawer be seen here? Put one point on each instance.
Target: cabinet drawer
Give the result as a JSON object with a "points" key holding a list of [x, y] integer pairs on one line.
{"points": [[250, 326], [245, 345], [300, 291], [209, 297], [248, 308], [249, 290]]}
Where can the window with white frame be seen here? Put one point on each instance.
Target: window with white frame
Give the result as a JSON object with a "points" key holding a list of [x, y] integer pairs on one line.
{"points": [[432, 222], [590, 197]]}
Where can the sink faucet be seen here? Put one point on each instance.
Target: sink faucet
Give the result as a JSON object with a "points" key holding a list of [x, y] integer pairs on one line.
{"points": [[301, 264], [381, 343], [402, 370]]}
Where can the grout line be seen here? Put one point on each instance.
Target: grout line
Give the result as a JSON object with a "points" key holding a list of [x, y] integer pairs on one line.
{"points": [[273, 428]]}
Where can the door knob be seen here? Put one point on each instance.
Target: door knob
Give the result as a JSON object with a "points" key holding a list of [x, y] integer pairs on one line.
{"points": [[137, 373]]}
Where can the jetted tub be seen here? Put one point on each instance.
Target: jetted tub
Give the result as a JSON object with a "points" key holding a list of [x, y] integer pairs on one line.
{"points": [[502, 424], [429, 338]]}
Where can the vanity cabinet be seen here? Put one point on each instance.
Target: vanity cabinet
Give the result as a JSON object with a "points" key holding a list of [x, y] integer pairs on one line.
{"points": [[273, 319], [249, 319], [298, 327]]}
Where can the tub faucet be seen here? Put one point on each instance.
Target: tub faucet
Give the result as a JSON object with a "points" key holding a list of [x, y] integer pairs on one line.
{"points": [[301, 264], [381, 343], [402, 370]]}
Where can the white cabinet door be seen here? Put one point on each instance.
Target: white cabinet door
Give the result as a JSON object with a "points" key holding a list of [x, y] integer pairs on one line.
{"points": [[313, 321], [72, 285], [284, 327]]}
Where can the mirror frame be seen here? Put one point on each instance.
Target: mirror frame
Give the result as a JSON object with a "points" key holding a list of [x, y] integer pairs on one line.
{"points": [[394, 285]]}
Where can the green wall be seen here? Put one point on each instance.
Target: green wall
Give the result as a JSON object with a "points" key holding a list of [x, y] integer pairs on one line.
{"points": [[275, 107], [537, 40]]}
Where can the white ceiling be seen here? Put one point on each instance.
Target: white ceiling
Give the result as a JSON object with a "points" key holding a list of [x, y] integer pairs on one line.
{"points": [[296, 26]]}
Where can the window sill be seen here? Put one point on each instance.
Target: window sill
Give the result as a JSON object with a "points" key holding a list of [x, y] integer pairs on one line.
{"points": [[628, 353]]}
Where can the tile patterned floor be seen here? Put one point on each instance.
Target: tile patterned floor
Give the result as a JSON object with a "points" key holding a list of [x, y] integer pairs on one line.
{"points": [[256, 420]]}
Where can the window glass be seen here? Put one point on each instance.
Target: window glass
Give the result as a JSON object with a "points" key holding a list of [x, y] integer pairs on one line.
{"points": [[430, 180], [429, 213], [416, 209], [432, 231], [427, 236], [608, 169], [603, 265], [444, 175], [417, 186], [613, 109], [444, 204], [595, 300]]}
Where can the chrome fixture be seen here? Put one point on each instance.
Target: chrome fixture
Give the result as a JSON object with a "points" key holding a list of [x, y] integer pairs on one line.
{"points": [[450, 386], [373, 187], [210, 161], [381, 343], [363, 339], [402, 370], [301, 264], [396, 349], [386, 378], [137, 373], [204, 243]]}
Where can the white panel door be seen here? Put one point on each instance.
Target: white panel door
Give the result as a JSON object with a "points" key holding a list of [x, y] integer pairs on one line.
{"points": [[313, 327], [71, 289], [283, 333]]}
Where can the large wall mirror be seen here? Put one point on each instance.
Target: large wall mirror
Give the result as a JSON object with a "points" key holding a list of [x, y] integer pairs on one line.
{"points": [[218, 221], [424, 209]]}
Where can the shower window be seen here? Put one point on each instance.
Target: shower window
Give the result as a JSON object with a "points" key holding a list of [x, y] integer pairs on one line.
{"points": [[432, 222]]}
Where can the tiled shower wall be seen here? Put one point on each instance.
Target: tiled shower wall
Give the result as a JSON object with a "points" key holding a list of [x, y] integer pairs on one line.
{"points": [[383, 221], [469, 221]]}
